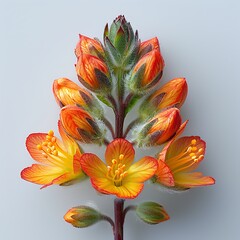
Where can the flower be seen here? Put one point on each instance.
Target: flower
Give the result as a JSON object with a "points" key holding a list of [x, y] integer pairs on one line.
{"points": [[147, 72], [80, 125], [82, 216], [160, 128], [171, 94], [59, 162], [93, 73], [118, 176], [67, 92], [178, 161], [88, 45]]}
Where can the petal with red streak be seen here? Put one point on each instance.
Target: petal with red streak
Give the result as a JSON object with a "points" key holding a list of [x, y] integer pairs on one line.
{"points": [[164, 175], [117, 147]]}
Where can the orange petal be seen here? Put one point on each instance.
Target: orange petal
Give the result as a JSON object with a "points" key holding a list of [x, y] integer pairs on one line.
{"points": [[43, 175], [93, 166], [195, 179], [141, 171], [129, 190], [32, 141], [119, 147], [164, 175]]}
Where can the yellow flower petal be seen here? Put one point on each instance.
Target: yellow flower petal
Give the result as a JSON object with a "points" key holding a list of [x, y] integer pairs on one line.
{"points": [[196, 179], [141, 171], [43, 175]]}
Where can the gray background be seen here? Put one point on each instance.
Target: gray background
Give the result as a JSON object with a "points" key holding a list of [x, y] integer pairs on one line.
{"points": [[199, 40]]}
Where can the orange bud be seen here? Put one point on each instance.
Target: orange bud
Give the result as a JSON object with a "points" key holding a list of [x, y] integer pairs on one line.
{"points": [[82, 216], [147, 72], [148, 46], [93, 73], [80, 125], [88, 45], [160, 128], [172, 94], [67, 92]]}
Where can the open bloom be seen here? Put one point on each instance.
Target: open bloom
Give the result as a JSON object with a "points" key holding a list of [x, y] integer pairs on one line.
{"points": [[178, 161], [58, 162], [118, 176]]}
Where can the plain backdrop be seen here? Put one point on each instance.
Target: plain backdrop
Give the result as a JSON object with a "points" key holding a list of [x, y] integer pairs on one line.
{"points": [[199, 40]]}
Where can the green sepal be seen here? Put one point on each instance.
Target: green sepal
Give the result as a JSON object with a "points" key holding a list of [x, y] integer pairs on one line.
{"points": [[104, 100], [120, 41], [113, 56], [131, 104]]}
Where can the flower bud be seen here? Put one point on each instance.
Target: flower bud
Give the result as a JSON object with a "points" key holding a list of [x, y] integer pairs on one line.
{"points": [[93, 73], [67, 92], [82, 216], [90, 46], [121, 44], [148, 46], [172, 94], [80, 125], [160, 128], [147, 72], [151, 213]]}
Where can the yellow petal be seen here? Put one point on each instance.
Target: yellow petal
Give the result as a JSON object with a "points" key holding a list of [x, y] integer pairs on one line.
{"points": [[43, 175], [195, 179], [141, 170]]}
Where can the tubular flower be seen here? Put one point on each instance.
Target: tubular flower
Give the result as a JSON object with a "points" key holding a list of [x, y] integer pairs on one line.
{"points": [[118, 176], [180, 158], [160, 128], [148, 46], [147, 72], [88, 45], [93, 73], [172, 94], [59, 162], [80, 125]]}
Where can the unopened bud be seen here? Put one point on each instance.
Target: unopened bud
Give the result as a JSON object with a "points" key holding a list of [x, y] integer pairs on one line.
{"points": [[82, 216], [147, 72], [151, 213]]}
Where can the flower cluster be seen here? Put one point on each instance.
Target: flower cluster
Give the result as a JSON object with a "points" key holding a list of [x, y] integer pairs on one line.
{"points": [[118, 73]]}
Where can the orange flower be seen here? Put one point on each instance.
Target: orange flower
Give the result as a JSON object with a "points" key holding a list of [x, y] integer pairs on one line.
{"points": [[148, 46], [58, 161], [67, 92], [80, 125], [119, 176], [147, 72], [160, 128], [88, 45], [179, 159], [171, 94], [93, 73]]}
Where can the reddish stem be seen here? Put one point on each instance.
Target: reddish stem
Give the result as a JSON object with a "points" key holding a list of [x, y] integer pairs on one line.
{"points": [[119, 218]]}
